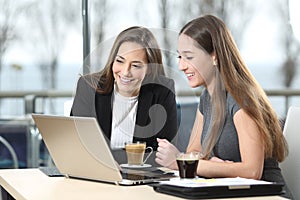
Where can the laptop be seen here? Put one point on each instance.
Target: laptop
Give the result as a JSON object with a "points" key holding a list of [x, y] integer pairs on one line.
{"points": [[79, 149]]}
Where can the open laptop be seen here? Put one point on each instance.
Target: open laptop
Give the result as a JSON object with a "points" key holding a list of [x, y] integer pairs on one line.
{"points": [[79, 150]]}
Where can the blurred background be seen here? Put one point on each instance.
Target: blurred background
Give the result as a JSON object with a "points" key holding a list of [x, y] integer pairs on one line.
{"points": [[45, 46], [41, 42]]}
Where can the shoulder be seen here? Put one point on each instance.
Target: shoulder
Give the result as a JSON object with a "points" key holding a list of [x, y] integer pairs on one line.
{"points": [[89, 78], [232, 105], [87, 83], [159, 84]]}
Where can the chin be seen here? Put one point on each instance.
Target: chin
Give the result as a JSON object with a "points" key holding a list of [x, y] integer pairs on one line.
{"points": [[193, 85]]}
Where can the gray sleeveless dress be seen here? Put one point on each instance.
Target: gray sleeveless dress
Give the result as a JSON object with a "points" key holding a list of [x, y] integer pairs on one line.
{"points": [[227, 146]]}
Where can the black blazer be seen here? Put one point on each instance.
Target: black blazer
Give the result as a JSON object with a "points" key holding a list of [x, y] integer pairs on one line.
{"points": [[156, 112]]}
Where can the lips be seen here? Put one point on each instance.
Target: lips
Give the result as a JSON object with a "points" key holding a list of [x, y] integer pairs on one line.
{"points": [[125, 80], [190, 75]]}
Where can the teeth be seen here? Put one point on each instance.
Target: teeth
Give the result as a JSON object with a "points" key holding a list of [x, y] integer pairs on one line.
{"points": [[125, 79], [189, 75]]}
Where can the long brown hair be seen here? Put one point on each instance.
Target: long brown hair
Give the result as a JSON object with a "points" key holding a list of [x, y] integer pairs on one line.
{"points": [[104, 79], [214, 37]]}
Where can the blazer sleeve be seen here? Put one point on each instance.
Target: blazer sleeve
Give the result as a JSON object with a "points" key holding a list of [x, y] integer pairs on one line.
{"points": [[157, 113], [168, 101]]}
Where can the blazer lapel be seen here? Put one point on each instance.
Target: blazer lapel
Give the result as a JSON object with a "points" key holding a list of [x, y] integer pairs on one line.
{"points": [[103, 107], [104, 112], [145, 102]]}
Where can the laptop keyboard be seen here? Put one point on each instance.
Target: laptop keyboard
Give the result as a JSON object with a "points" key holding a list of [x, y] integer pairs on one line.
{"points": [[130, 174], [51, 171]]}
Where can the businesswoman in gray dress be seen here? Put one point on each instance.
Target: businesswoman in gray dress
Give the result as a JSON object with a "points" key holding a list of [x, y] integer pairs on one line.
{"points": [[131, 97], [236, 128]]}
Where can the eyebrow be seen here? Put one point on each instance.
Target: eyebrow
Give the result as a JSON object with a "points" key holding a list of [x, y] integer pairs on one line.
{"points": [[186, 51], [135, 61], [120, 57]]}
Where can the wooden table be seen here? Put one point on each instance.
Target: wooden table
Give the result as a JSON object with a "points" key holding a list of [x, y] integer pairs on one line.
{"points": [[33, 184]]}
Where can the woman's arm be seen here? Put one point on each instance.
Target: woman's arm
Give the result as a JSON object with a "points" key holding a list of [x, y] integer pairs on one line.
{"points": [[251, 150], [156, 113], [169, 103], [166, 152], [195, 137]]}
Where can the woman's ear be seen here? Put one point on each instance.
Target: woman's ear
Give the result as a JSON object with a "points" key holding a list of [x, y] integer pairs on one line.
{"points": [[214, 58]]}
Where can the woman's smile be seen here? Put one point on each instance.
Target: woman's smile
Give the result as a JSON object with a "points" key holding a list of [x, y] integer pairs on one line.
{"points": [[125, 80]]}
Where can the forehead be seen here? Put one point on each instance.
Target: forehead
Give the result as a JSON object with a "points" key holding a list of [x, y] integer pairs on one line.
{"points": [[186, 44], [128, 48]]}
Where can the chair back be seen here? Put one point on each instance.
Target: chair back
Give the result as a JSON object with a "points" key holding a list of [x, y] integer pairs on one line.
{"points": [[291, 166]]}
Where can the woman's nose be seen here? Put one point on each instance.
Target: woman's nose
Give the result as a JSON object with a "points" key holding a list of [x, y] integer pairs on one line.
{"points": [[126, 69], [182, 65]]}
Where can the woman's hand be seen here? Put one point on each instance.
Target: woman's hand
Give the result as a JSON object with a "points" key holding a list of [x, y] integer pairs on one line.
{"points": [[166, 154]]}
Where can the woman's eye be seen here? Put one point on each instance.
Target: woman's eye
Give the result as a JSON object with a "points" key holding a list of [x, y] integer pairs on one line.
{"points": [[186, 57], [137, 66], [119, 60]]}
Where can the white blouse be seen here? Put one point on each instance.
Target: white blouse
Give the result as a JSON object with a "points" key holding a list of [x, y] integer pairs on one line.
{"points": [[123, 119]]}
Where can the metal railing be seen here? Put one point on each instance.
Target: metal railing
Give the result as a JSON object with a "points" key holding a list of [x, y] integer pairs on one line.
{"points": [[30, 97]]}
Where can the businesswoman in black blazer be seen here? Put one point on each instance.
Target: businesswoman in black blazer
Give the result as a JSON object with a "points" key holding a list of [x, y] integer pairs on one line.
{"points": [[131, 97]]}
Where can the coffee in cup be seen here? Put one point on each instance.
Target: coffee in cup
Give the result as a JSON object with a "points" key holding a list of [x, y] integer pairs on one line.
{"points": [[135, 153], [187, 164]]}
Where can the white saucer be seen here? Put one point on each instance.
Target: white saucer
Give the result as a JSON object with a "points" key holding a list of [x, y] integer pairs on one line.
{"points": [[135, 166]]}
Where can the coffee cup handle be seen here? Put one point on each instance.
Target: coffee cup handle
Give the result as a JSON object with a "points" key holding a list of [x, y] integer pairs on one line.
{"points": [[151, 151]]}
